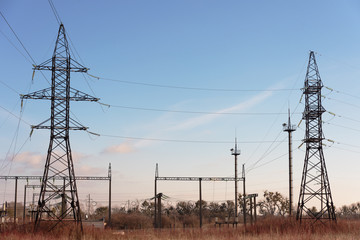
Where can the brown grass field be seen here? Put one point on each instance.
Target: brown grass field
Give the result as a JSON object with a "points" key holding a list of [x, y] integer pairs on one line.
{"points": [[266, 229]]}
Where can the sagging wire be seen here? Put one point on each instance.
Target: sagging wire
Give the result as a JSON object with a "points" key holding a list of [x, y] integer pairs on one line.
{"points": [[178, 140], [190, 88], [193, 112]]}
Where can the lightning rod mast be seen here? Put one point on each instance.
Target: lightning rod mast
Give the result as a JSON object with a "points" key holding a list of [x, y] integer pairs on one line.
{"points": [[290, 128]]}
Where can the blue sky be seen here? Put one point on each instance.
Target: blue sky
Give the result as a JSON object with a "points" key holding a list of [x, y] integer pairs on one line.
{"points": [[241, 45]]}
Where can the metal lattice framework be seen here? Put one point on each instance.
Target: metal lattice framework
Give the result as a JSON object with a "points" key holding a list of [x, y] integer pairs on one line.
{"points": [[157, 215], [59, 162], [315, 187]]}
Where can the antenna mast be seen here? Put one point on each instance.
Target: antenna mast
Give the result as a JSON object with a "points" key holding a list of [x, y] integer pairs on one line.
{"points": [[235, 152], [290, 128]]}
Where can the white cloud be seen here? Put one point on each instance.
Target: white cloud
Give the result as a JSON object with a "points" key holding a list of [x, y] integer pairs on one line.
{"points": [[124, 147], [30, 158], [86, 170], [77, 156]]}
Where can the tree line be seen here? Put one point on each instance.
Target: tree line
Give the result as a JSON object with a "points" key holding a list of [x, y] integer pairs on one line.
{"points": [[185, 213]]}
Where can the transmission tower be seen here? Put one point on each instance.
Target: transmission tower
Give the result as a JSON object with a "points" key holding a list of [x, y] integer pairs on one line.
{"points": [[59, 162], [315, 187]]}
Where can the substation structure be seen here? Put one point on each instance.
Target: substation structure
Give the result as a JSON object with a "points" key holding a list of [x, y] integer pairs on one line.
{"points": [[60, 187], [157, 197]]}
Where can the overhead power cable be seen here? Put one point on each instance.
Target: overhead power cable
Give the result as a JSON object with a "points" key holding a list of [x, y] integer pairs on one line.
{"points": [[27, 52], [270, 161], [17, 37], [54, 11], [14, 115], [343, 102], [17, 49], [192, 112], [276, 118], [174, 140], [338, 125], [12, 89], [341, 92], [341, 116], [268, 151], [347, 150], [192, 88]]}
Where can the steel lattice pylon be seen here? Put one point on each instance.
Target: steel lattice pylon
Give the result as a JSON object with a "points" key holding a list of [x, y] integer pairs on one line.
{"points": [[60, 203], [315, 187]]}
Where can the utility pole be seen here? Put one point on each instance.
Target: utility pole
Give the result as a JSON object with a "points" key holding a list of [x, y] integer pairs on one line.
{"points": [[109, 176], [235, 152], [287, 127], [244, 193], [24, 212], [89, 204], [315, 185], [15, 204], [155, 197], [159, 196], [59, 161], [200, 202]]}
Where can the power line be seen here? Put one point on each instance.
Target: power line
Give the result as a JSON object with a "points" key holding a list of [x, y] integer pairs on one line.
{"points": [[174, 140], [268, 151], [54, 11], [32, 59], [14, 115], [348, 150], [12, 89], [191, 112], [338, 125], [341, 92], [191, 88], [341, 116], [270, 161], [15, 46], [343, 102], [275, 120], [17, 37]]}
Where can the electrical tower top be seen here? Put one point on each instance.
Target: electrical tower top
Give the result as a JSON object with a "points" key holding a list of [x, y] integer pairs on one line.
{"points": [[288, 127], [235, 151]]}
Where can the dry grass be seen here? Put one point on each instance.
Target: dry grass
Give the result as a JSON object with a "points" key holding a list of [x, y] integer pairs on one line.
{"points": [[268, 229]]}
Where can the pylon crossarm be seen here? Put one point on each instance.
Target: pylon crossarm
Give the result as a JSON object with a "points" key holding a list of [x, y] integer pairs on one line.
{"points": [[81, 96], [77, 67], [41, 94], [74, 65], [75, 95], [69, 128]]}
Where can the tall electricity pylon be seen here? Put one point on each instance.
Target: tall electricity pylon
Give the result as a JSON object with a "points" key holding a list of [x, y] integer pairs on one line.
{"points": [[315, 187], [59, 162]]}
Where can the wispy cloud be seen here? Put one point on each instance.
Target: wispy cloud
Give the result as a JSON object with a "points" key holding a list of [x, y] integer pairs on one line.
{"points": [[190, 123], [196, 121]]}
